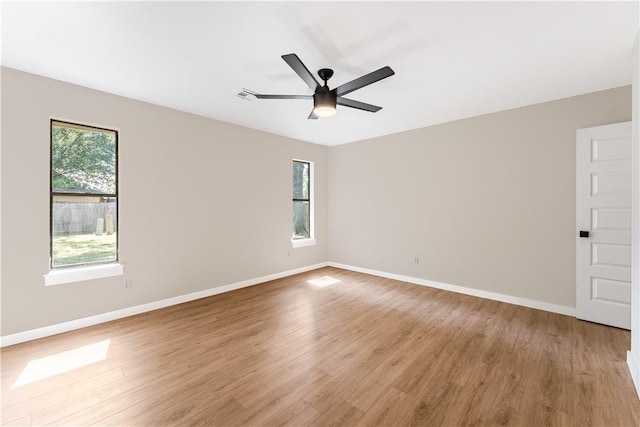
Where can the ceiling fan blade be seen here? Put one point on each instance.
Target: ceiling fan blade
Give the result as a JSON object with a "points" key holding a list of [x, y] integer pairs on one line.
{"points": [[257, 95], [365, 80], [300, 69], [313, 116], [357, 104]]}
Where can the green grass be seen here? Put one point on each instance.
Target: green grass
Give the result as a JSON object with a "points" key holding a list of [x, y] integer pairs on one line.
{"points": [[83, 248]]}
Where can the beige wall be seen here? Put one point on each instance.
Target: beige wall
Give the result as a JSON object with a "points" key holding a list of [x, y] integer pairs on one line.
{"points": [[487, 202], [202, 203]]}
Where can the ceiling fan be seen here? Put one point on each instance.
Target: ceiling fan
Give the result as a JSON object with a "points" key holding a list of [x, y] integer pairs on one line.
{"points": [[325, 99]]}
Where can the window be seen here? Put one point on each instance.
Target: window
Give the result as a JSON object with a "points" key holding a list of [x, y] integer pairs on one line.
{"points": [[302, 203], [84, 195]]}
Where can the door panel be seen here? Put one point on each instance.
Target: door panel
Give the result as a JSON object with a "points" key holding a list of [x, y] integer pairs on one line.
{"points": [[611, 291], [610, 219], [606, 184], [603, 208], [604, 149]]}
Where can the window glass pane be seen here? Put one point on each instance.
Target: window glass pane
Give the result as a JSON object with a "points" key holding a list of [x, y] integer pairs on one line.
{"points": [[82, 159], [300, 180], [301, 220], [84, 230]]}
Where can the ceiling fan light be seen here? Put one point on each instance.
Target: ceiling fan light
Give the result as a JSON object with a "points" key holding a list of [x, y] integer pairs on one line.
{"points": [[324, 103], [324, 110]]}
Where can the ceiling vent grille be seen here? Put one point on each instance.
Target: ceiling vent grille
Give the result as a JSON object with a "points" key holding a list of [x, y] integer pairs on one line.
{"points": [[247, 95]]}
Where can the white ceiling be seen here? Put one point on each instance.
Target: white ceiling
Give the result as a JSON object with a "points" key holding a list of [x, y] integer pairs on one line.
{"points": [[452, 59]]}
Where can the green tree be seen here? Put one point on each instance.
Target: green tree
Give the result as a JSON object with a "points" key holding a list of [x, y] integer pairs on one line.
{"points": [[83, 160]]}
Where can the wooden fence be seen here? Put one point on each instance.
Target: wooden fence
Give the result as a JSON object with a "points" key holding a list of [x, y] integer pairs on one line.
{"points": [[82, 217]]}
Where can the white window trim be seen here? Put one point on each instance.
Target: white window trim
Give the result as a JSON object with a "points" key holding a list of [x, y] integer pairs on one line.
{"points": [[311, 240], [300, 243], [59, 276]]}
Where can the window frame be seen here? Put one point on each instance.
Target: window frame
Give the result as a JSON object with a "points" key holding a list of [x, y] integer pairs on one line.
{"points": [[103, 270], [306, 241]]}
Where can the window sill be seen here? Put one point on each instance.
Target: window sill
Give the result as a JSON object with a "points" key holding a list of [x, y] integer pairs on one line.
{"points": [[58, 276], [300, 243]]}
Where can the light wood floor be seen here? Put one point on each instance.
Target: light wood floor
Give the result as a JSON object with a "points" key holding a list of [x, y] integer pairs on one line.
{"points": [[363, 351]]}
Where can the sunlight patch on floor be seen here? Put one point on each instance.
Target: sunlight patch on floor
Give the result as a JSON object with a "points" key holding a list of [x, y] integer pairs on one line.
{"points": [[59, 363], [323, 281]]}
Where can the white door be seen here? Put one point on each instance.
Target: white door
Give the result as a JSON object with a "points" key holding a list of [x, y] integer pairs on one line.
{"points": [[603, 219]]}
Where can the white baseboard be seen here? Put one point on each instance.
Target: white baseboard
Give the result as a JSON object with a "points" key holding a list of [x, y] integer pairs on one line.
{"points": [[635, 371], [539, 305], [143, 308]]}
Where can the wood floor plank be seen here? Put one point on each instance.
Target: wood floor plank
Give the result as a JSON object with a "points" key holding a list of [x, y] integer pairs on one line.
{"points": [[75, 378], [230, 413], [19, 422], [159, 408], [392, 408], [126, 399], [63, 393], [363, 351], [341, 413], [274, 403], [300, 413]]}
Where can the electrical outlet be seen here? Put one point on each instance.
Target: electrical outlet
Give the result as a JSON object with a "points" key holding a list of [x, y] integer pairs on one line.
{"points": [[128, 284], [416, 260]]}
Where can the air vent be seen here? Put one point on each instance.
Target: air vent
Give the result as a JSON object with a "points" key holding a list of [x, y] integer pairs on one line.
{"points": [[247, 95]]}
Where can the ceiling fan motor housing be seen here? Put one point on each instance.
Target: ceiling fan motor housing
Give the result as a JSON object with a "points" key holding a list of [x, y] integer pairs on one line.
{"points": [[324, 97]]}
